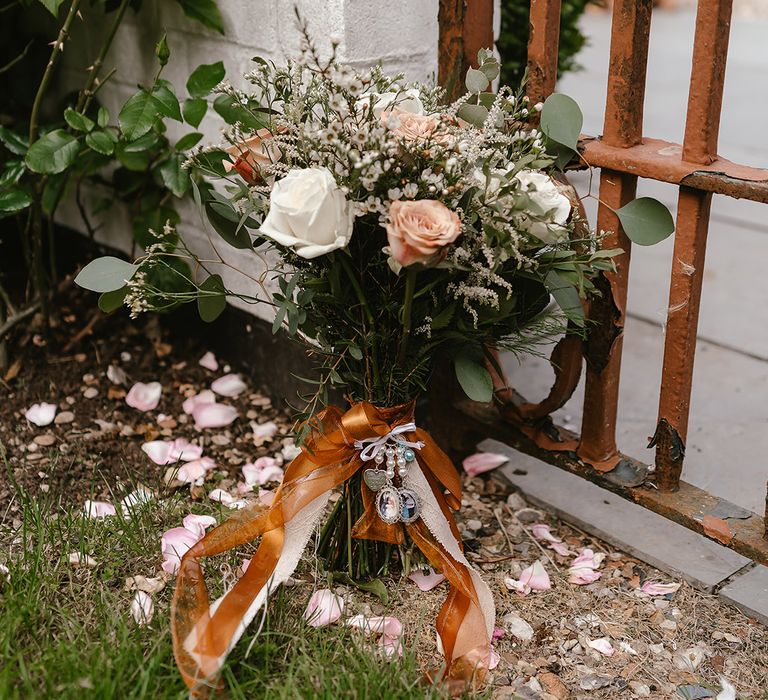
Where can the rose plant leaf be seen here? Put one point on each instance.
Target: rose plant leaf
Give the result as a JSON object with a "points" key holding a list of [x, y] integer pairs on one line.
{"points": [[52, 153], [166, 100], [194, 110], [100, 142], [105, 274], [102, 117], [112, 301], [646, 221], [174, 177], [212, 304], [566, 296], [79, 122], [12, 173], [52, 192], [13, 142], [232, 112], [188, 141], [204, 11], [204, 78], [138, 115], [13, 200], [52, 6], [561, 120], [474, 379]]}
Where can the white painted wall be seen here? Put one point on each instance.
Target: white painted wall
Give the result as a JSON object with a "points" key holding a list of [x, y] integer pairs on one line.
{"points": [[401, 34]]}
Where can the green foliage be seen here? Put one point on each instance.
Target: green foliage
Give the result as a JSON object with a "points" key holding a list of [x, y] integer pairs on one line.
{"points": [[474, 378], [204, 78], [513, 40], [212, 302], [105, 274], [204, 11], [646, 221], [52, 153], [561, 122]]}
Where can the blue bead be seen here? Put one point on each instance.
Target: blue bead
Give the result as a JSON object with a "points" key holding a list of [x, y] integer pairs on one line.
{"points": [[409, 455]]}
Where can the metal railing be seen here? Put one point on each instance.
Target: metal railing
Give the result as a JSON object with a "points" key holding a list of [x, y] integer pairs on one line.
{"points": [[624, 154]]}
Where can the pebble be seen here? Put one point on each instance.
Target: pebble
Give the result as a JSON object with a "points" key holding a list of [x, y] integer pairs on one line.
{"points": [[45, 440], [64, 417], [91, 392], [474, 524]]}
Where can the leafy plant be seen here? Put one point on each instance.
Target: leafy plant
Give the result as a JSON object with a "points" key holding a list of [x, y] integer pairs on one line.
{"points": [[44, 162]]}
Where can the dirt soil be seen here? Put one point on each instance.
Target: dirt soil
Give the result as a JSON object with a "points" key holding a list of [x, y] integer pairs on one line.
{"points": [[671, 646]]}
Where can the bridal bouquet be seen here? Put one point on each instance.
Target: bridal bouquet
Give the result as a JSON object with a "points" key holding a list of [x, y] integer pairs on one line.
{"points": [[396, 232]]}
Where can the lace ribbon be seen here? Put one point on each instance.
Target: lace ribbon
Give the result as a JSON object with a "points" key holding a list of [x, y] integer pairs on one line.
{"points": [[204, 633]]}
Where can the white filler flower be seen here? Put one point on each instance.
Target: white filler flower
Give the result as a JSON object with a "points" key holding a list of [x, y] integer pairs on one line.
{"points": [[309, 213]]}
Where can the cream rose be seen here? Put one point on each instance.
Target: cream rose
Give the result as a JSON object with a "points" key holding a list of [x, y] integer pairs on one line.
{"points": [[554, 206], [255, 153], [419, 231], [414, 127], [309, 213], [406, 100]]}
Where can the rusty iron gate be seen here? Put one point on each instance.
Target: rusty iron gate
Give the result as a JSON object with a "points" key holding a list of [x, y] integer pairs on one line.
{"points": [[623, 154]]}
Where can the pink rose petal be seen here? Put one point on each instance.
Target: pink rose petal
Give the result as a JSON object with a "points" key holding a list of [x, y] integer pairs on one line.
{"points": [[603, 645], [583, 575], [221, 496], [205, 396], [195, 470], [175, 542], [262, 471], [561, 549], [324, 607], [144, 397], [142, 608], [542, 531], [230, 385], [498, 633], [483, 462], [266, 496], [532, 578], [493, 659], [209, 361], [391, 646], [264, 431], [656, 588], [244, 566], [390, 626], [589, 559], [41, 414], [428, 581], [135, 500], [198, 523], [213, 415], [164, 452], [98, 509]]}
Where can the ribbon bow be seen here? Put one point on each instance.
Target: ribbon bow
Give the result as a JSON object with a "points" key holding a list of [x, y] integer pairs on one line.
{"points": [[205, 633], [370, 447]]}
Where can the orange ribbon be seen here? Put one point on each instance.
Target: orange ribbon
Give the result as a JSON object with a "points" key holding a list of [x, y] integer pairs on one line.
{"points": [[203, 634]]}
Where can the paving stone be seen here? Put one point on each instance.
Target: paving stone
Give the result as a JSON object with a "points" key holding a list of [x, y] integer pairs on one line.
{"points": [[627, 526], [749, 591]]}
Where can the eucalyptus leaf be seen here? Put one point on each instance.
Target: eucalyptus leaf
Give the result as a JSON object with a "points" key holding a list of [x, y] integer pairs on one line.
{"points": [[52, 153], [194, 110], [112, 301], [476, 81], [474, 379], [204, 78], [561, 120], [105, 274], [212, 304], [474, 114], [646, 221], [229, 230], [566, 296], [138, 115]]}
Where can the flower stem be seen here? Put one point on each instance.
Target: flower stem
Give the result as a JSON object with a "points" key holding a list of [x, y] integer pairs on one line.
{"points": [[410, 289]]}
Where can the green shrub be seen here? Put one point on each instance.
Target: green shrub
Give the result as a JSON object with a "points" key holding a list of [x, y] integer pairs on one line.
{"points": [[513, 41]]}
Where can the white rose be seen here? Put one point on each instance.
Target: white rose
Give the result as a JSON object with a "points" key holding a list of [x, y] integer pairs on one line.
{"points": [[309, 213], [407, 100], [554, 207]]}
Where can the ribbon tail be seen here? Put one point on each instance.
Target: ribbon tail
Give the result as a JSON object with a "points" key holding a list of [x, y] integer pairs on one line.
{"points": [[466, 621]]}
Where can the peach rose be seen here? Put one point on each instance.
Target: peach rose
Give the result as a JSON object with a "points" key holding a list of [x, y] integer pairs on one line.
{"points": [[419, 231], [414, 127], [249, 157]]}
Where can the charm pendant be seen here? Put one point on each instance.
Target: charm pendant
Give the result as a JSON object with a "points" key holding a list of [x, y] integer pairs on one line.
{"points": [[375, 479], [410, 505], [389, 505]]}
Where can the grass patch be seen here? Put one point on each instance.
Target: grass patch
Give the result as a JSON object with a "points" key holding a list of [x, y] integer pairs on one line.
{"points": [[67, 632]]}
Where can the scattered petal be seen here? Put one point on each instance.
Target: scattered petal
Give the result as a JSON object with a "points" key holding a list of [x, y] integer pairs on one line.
{"points": [[5, 572], [728, 691], [98, 509], [135, 499], [391, 646], [655, 588], [582, 571], [164, 452], [542, 531], [82, 560], [536, 577], [244, 566], [689, 659], [142, 583], [205, 396], [221, 496], [262, 471], [230, 385], [198, 523], [290, 452], [144, 397], [390, 626], [603, 645], [195, 470], [209, 361], [498, 633], [561, 549], [588, 558], [518, 627], [483, 462], [142, 608], [264, 431], [324, 607], [41, 414], [493, 659], [116, 374], [427, 581], [628, 648], [174, 545], [213, 415], [266, 496]]}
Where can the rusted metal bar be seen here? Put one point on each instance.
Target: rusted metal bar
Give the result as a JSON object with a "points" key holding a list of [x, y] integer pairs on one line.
{"points": [[623, 129], [662, 161], [543, 41], [705, 99], [465, 27], [688, 506]]}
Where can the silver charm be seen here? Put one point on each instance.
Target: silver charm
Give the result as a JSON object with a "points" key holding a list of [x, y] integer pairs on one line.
{"points": [[410, 505], [375, 479], [389, 505]]}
